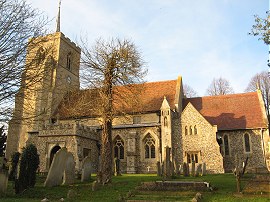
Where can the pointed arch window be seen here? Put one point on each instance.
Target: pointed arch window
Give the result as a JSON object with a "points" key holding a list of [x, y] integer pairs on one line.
{"points": [[247, 143], [190, 130], [118, 148], [226, 145], [149, 147], [186, 130], [195, 130], [165, 121]]}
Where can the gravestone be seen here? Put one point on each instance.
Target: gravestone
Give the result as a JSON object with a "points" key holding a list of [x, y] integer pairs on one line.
{"points": [[185, 169], [86, 169], [55, 174], [116, 167], [158, 169], [203, 169], [180, 169], [167, 172], [198, 170], [193, 168], [69, 173], [3, 181]]}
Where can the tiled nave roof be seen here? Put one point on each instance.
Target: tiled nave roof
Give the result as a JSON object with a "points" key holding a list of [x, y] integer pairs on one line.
{"points": [[228, 112], [83, 103]]}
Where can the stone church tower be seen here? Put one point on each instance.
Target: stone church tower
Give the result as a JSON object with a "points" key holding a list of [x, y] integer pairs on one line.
{"points": [[51, 70]]}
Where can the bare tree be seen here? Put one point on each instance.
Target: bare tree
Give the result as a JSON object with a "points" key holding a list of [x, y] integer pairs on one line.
{"points": [[189, 91], [108, 65], [19, 23], [219, 86], [261, 81]]}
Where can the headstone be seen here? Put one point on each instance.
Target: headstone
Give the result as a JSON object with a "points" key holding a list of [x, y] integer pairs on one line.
{"points": [[167, 173], [71, 194], [3, 181], [198, 170], [193, 168], [86, 169], [158, 169], [94, 186], [185, 169], [56, 171], [180, 169], [203, 169], [188, 169], [116, 166], [69, 173]]}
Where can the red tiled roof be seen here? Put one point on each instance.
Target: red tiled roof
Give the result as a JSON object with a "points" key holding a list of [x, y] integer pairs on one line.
{"points": [[150, 95], [228, 112]]}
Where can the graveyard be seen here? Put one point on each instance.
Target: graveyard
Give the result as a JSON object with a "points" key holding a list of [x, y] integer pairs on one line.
{"points": [[126, 188], [190, 182]]}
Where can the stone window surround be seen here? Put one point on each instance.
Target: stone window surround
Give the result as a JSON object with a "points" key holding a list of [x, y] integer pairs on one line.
{"points": [[149, 143], [186, 130], [142, 151], [123, 142], [190, 153], [195, 130], [223, 145], [68, 66], [244, 143], [191, 130]]}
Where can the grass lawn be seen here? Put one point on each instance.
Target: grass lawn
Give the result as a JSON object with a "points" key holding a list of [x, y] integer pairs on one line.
{"points": [[224, 185]]}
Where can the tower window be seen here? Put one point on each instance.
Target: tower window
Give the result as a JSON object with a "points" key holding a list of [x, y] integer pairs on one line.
{"points": [[165, 121], [118, 148], [69, 61]]}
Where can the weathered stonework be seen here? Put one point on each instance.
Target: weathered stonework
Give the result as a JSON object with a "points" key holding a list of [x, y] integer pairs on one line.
{"points": [[204, 143], [139, 138]]}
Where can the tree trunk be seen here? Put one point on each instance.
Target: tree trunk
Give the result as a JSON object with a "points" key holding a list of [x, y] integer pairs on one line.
{"points": [[106, 153], [106, 171]]}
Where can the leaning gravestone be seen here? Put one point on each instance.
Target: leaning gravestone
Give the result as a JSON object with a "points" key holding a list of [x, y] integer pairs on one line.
{"points": [[57, 168], [86, 169], [69, 173]]}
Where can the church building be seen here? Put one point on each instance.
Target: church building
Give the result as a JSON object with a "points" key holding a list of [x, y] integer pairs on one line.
{"points": [[56, 113]]}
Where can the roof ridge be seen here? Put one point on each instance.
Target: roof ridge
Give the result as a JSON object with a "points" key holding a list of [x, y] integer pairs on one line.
{"points": [[227, 95]]}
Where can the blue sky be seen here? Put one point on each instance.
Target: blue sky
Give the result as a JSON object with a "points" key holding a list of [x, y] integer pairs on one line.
{"points": [[198, 39]]}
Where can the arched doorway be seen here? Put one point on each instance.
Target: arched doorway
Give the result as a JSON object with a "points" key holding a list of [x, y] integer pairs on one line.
{"points": [[53, 152]]}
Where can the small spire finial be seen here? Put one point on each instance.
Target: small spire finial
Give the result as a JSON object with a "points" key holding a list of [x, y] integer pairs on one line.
{"points": [[58, 18]]}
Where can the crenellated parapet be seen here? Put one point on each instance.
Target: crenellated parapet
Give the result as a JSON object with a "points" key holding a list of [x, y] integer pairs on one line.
{"points": [[69, 129]]}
